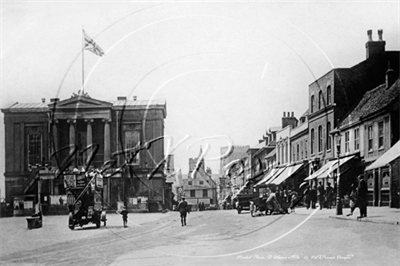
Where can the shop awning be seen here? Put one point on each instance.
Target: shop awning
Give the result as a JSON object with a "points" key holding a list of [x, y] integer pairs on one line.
{"points": [[392, 154], [328, 168], [270, 176], [288, 172]]}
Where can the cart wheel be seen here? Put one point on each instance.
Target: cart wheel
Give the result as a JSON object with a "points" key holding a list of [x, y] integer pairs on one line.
{"points": [[71, 221]]}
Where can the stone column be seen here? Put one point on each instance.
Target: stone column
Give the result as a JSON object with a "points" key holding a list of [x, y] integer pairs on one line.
{"points": [[107, 139], [54, 143], [89, 134], [71, 131]]}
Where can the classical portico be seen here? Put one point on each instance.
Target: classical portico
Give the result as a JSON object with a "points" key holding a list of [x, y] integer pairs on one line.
{"points": [[79, 122]]}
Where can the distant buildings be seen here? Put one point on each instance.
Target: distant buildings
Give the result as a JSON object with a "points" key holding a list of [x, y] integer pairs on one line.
{"points": [[199, 185]]}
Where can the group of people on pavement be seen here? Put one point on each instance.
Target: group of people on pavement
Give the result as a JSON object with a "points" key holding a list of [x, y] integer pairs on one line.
{"points": [[324, 196], [320, 195]]}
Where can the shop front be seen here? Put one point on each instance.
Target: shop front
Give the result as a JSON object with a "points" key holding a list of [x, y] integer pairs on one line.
{"points": [[383, 179]]}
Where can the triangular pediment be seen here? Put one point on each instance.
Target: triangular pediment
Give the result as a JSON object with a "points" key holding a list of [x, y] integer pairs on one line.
{"points": [[80, 102]]}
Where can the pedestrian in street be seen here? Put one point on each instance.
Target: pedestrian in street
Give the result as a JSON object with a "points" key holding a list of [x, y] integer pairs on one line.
{"points": [[124, 214], [362, 192], [353, 199], [329, 196], [320, 195], [313, 197], [293, 200], [307, 196], [183, 210]]}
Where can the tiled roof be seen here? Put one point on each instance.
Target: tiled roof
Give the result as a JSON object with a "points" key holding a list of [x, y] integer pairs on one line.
{"points": [[372, 102]]}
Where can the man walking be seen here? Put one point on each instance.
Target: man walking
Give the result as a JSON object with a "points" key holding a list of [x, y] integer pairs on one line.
{"points": [[329, 196], [321, 195], [362, 192], [183, 210]]}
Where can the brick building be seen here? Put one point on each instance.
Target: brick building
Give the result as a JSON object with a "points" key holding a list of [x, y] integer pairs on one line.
{"points": [[335, 93]]}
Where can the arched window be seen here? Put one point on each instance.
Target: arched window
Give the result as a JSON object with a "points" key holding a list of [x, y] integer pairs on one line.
{"points": [[320, 100], [312, 104], [319, 138], [328, 136], [312, 141], [328, 95]]}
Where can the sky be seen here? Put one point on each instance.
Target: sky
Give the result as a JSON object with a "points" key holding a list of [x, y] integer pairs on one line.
{"points": [[226, 69]]}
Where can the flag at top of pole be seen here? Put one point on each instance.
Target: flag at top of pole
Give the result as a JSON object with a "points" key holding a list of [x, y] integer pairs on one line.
{"points": [[91, 45]]}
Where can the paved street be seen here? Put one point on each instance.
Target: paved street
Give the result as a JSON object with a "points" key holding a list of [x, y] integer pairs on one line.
{"points": [[308, 237]]}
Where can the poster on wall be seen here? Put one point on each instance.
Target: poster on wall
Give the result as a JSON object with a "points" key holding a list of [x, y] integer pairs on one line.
{"points": [[69, 181], [133, 201], [142, 200]]}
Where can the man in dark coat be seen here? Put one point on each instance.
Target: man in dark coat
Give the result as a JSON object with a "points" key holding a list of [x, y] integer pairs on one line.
{"points": [[362, 193], [321, 195], [183, 209], [329, 196]]}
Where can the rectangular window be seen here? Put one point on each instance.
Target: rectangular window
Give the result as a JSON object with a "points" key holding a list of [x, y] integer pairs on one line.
{"points": [[293, 153], [192, 193], [306, 149], [81, 142], [189, 183], [34, 148], [347, 142], [205, 193], [131, 140], [380, 135], [370, 139], [302, 150], [356, 139]]}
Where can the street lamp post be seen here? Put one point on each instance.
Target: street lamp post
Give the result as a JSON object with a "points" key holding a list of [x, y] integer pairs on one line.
{"points": [[337, 135]]}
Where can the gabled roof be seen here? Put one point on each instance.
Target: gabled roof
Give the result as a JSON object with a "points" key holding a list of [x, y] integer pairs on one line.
{"points": [[372, 102]]}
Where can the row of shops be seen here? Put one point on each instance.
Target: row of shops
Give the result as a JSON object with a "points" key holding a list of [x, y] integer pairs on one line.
{"points": [[382, 177]]}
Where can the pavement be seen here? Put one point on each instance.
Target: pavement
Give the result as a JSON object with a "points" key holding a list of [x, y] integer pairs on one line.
{"points": [[381, 215]]}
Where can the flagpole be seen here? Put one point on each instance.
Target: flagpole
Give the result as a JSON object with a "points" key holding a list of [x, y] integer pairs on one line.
{"points": [[83, 65]]}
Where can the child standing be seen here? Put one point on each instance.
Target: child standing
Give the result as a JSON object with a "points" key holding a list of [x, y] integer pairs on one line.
{"points": [[124, 214]]}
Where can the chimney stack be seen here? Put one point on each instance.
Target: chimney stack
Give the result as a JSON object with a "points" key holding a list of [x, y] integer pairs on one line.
{"points": [[134, 98], [284, 114], [121, 98], [375, 48], [43, 100], [289, 120], [369, 33], [380, 32]]}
